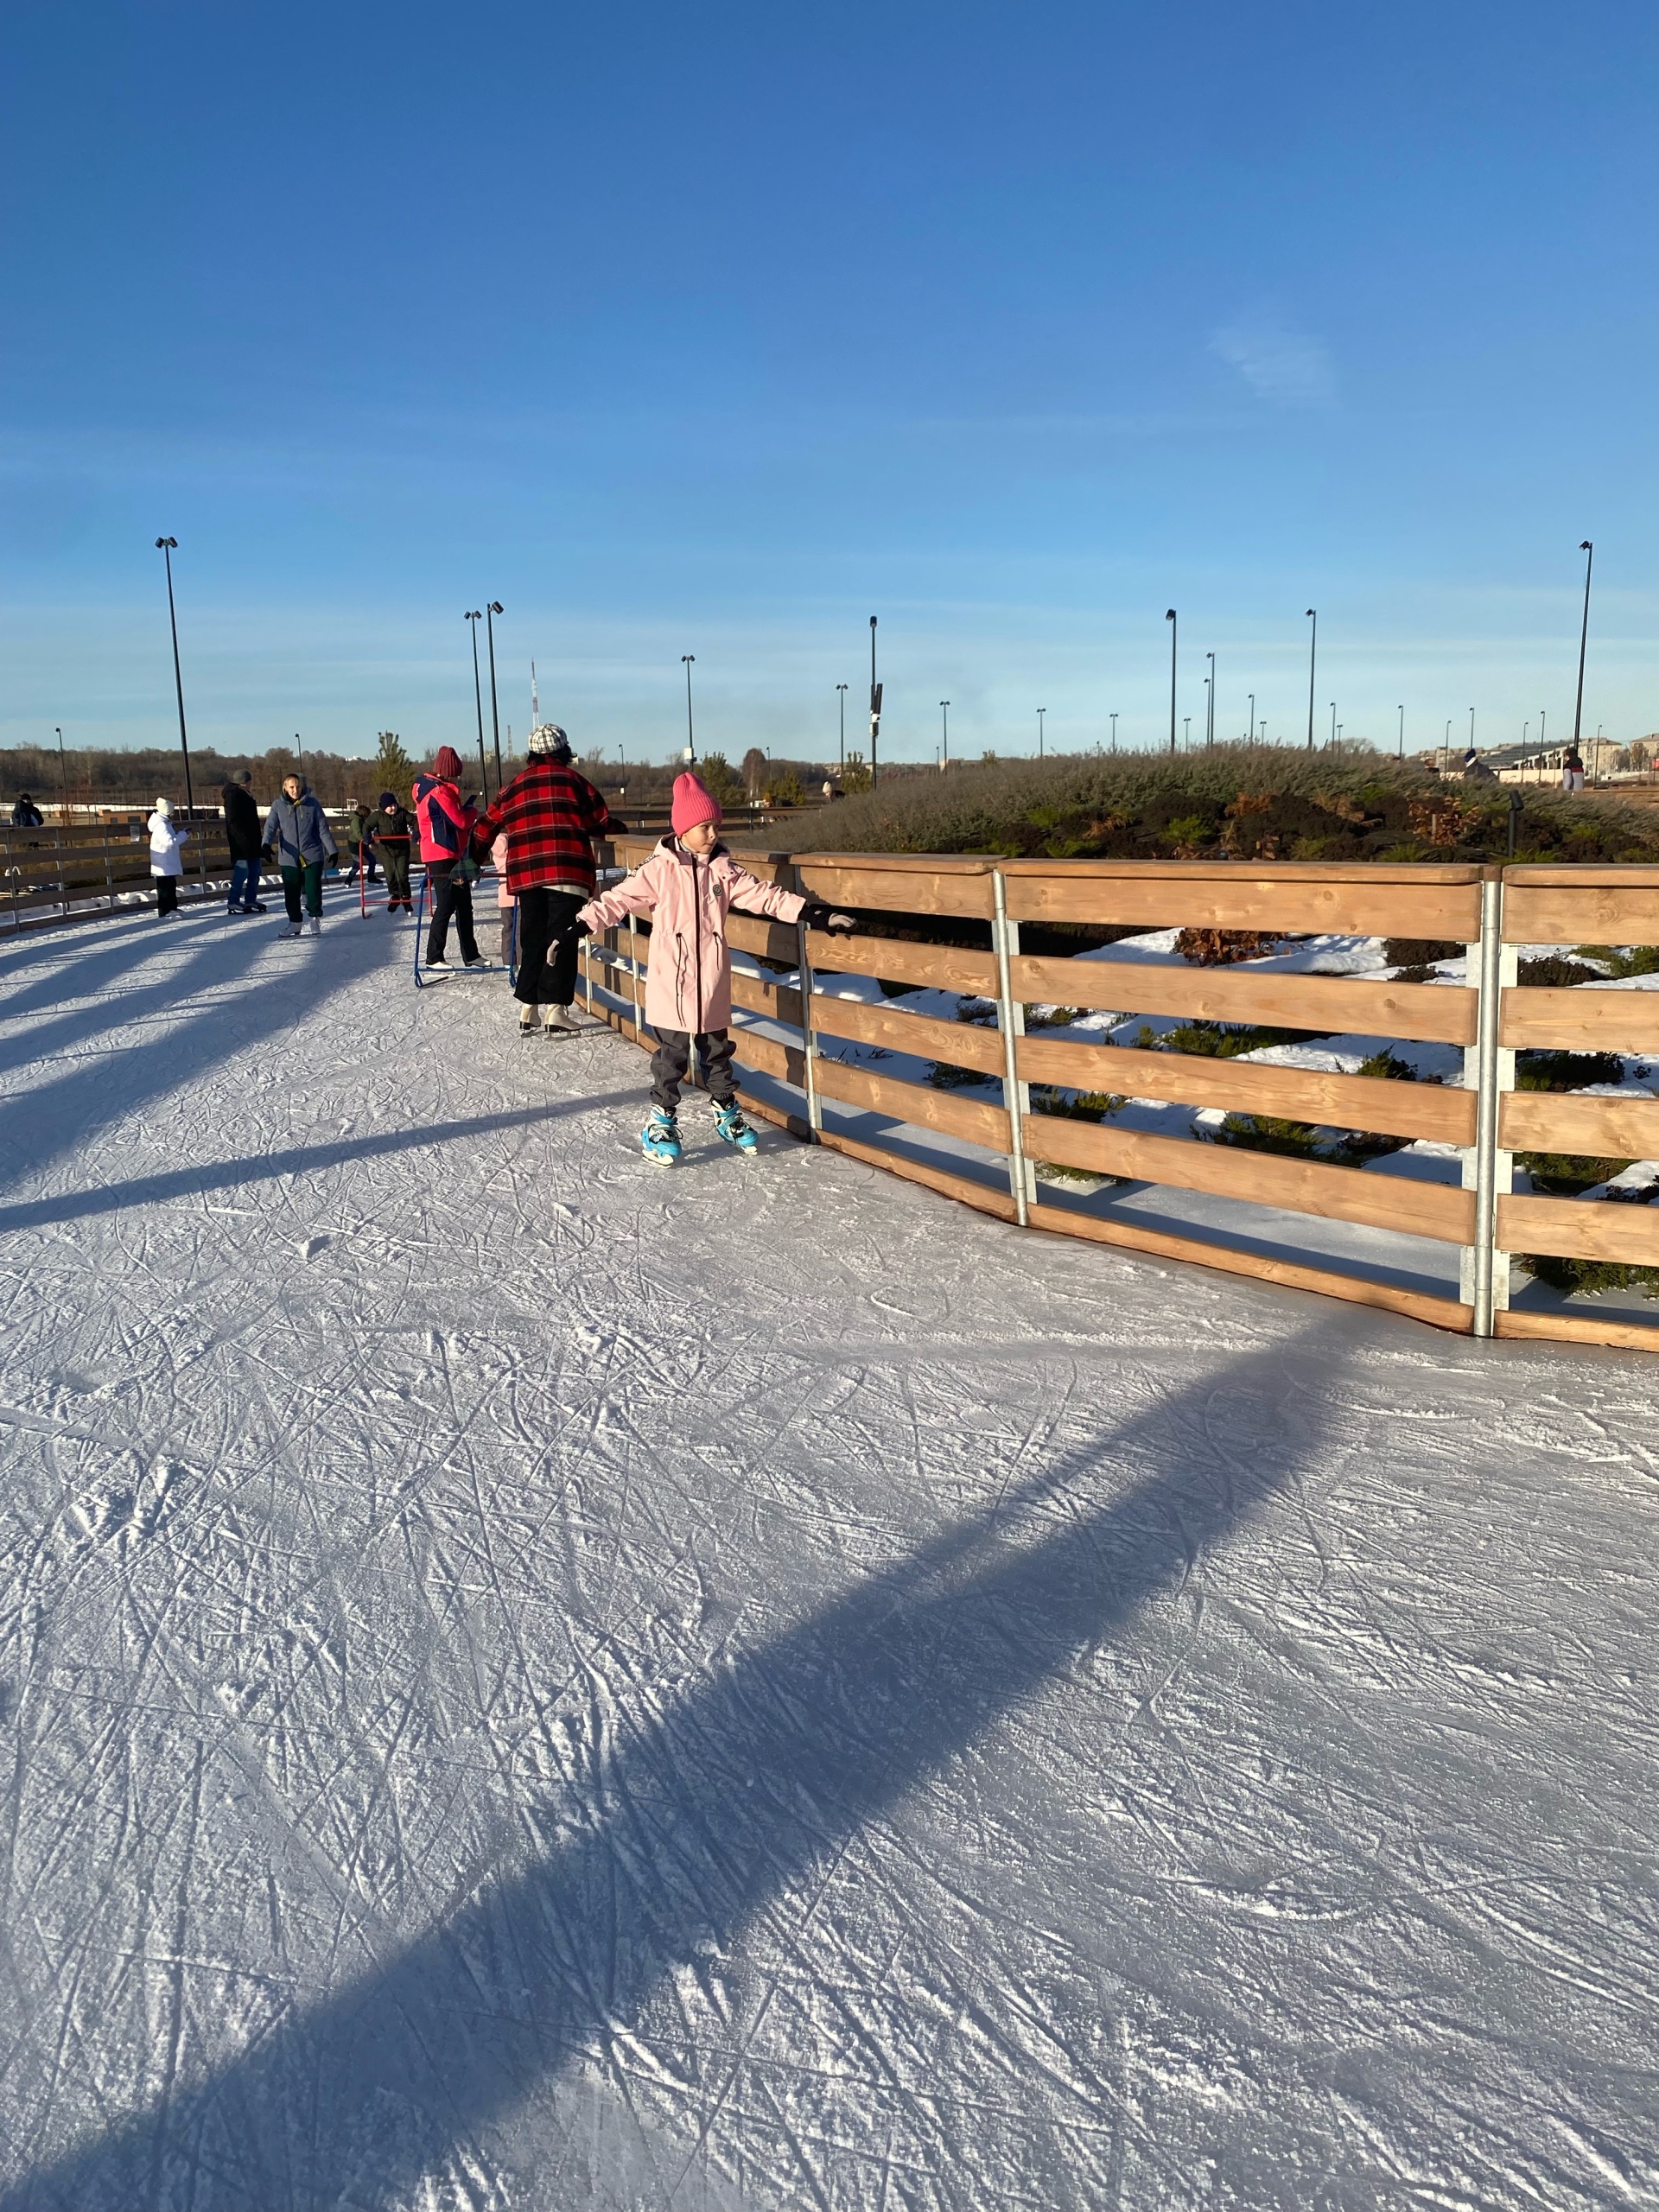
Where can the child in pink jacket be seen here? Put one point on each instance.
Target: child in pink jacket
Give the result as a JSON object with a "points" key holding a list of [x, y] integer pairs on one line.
{"points": [[506, 905], [688, 886]]}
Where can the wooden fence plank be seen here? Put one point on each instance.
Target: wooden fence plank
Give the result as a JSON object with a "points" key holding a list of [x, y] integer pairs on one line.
{"points": [[963, 1044], [1579, 1328], [1442, 1313], [1580, 1018], [1342, 1102], [766, 940], [779, 1003], [920, 890], [1581, 913], [1302, 1185], [1547, 1120], [1325, 1004], [1571, 1229], [939, 967], [916, 1103], [1239, 898]]}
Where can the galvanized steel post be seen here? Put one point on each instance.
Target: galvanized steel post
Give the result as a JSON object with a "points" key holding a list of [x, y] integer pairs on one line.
{"points": [[809, 1035], [1488, 1072], [1011, 1021]]}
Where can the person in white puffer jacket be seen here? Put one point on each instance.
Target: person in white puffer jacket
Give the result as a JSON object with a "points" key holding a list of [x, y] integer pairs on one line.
{"points": [[166, 859]]}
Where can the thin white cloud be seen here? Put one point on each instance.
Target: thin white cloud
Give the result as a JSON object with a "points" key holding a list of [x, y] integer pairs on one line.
{"points": [[1283, 367]]}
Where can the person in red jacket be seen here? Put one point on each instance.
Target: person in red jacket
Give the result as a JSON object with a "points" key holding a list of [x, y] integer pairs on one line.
{"points": [[446, 825], [549, 815]]}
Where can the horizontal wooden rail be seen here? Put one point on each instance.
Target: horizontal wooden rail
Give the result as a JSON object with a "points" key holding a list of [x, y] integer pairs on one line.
{"points": [[1571, 1230], [1580, 1018], [1589, 905], [1329, 1005], [1340, 1102], [922, 967], [1624, 1127], [959, 1044], [1364, 902], [1433, 1210]]}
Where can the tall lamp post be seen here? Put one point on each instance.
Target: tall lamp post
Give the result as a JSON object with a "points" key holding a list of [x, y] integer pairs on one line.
{"points": [[475, 617], [842, 689], [63, 782], [875, 704], [686, 660], [1401, 753], [491, 610], [1174, 632], [945, 733], [166, 547], [1589, 553], [1209, 705], [1249, 734], [1113, 721], [1333, 721], [1041, 711], [1312, 656]]}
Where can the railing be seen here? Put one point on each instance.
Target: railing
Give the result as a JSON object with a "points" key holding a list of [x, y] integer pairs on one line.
{"points": [[1051, 1128]]}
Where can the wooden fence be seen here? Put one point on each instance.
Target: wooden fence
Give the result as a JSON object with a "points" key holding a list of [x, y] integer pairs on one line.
{"points": [[1010, 1150]]}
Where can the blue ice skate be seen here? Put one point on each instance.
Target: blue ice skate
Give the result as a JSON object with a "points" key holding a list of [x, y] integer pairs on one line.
{"points": [[660, 1138], [735, 1131]]}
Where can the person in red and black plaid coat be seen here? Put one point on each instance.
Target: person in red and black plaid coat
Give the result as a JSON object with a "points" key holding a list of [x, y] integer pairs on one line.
{"points": [[549, 815]]}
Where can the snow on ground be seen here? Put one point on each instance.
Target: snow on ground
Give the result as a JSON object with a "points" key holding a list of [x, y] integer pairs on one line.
{"points": [[529, 1680]]}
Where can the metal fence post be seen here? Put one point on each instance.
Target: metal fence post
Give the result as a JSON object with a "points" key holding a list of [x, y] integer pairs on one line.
{"points": [[11, 879], [1488, 1072], [809, 1034], [109, 879], [633, 977], [1011, 1021]]}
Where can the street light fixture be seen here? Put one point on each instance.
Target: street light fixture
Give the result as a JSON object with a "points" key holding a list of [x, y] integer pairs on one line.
{"points": [[1113, 721], [1589, 553], [475, 617], [1209, 705], [686, 660], [1333, 721], [166, 547], [945, 733], [841, 689], [491, 610], [1401, 712], [875, 704], [63, 783], [1249, 734], [1041, 711], [1313, 657], [1174, 632]]}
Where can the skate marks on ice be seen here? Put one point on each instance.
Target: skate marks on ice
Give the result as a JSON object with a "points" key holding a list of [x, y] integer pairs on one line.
{"points": [[745, 1798]]}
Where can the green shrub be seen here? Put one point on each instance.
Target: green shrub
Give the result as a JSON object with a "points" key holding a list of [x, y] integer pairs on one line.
{"points": [[1553, 971], [1219, 1040], [1631, 959], [1269, 1133], [945, 1076], [1583, 1277], [1079, 1106], [1566, 1174], [1419, 952], [1561, 1070]]}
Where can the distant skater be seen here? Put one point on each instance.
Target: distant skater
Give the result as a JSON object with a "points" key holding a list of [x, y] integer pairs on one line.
{"points": [[297, 833], [360, 825], [446, 825], [26, 815], [166, 859], [242, 834], [1573, 771], [393, 831], [549, 815], [505, 905], [688, 886]]}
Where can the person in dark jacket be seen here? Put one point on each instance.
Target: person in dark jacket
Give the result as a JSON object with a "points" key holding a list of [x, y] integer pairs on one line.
{"points": [[360, 828], [445, 825], [26, 815], [393, 831], [550, 816], [242, 835], [296, 830]]}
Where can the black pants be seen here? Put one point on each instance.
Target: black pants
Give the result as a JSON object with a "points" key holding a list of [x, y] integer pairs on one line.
{"points": [[452, 897], [543, 912], [395, 860], [673, 1055], [167, 894]]}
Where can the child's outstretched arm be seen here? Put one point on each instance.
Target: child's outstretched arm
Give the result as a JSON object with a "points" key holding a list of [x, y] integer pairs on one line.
{"points": [[636, 894]]}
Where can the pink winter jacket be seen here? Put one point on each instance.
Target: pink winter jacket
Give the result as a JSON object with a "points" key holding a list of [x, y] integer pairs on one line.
{"points": [[689, 986]]}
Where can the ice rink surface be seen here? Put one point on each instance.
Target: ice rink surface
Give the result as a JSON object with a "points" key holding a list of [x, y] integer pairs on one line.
{"points": [[527, 1679]]}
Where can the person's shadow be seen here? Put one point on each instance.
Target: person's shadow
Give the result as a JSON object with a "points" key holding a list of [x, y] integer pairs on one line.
{"points": [[703, 1809]]}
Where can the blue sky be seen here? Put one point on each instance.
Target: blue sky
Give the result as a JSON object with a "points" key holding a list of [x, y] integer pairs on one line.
{"points": [[717, 330]]}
